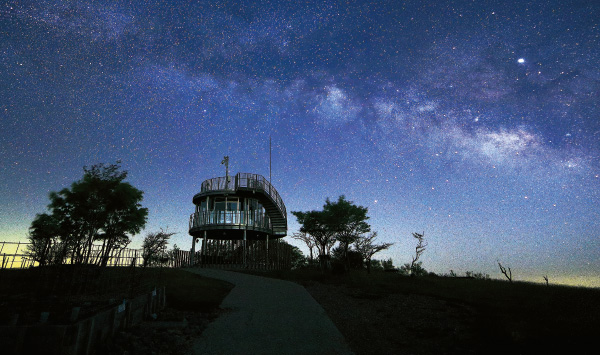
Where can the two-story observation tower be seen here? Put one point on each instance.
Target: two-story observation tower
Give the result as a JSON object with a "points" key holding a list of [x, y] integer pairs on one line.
{"points": [[244, 207]]}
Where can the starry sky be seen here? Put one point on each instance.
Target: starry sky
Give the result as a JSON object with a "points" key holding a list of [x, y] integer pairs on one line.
{"points": [[477, 122]]}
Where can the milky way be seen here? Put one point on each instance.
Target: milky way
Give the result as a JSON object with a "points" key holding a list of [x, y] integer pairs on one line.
{"points": [[474, 122]]}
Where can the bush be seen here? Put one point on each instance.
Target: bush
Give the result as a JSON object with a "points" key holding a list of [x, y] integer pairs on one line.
{"points": [[417, 270]]}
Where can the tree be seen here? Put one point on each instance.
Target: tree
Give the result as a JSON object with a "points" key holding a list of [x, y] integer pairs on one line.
{"points": [[419, 249], [319, 226], [43, 234], [507, 274], [388, 265], [348, 221], [100, 206], [415, 269], [366, 247], [154, 247], [309, 241], [353, 258], [298, 260], [375, 265]]}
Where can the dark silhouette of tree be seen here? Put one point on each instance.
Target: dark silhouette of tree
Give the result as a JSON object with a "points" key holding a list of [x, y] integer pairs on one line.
{"points": [[352, 258], [507, 274], [388, 265], [546, 279], [319, 225], [154, 248], [99, 207], [298, 260], [419, 249], [309, 241], [348, 221], [367, 248], [415, 269], [43, 235]]}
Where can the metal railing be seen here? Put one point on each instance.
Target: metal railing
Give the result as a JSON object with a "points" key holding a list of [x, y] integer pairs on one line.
{"points": [[253, 219], [19, 255], [248, 181]]}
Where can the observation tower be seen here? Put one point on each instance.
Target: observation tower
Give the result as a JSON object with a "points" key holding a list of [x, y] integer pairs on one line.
{"points": [[233, 213]]}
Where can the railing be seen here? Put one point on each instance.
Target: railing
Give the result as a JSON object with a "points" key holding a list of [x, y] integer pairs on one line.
{"points": [[254, 219], [244, 180], [19, 255]]}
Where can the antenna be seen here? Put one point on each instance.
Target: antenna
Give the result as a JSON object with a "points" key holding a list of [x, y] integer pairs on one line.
{"points": [[269, 159], [226, 162]]}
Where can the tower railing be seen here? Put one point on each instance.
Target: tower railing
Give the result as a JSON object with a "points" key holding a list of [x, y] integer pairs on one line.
{"points": [[246, 181], [253, 219]]}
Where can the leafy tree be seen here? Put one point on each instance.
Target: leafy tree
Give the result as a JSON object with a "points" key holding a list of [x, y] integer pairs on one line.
{"points": [[353, 258], [367, 248], [375, 265], [388, 264], [154, 247], [348, 221], [43, 234], [99, 207], [319, 225], [413, 269], [298, 260]]}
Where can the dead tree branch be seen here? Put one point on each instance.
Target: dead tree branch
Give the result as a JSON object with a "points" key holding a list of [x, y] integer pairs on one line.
{"points": [[507, 274]]}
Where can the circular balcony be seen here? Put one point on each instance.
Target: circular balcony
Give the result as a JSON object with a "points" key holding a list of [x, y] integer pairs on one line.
{"points": [[229, 207]]}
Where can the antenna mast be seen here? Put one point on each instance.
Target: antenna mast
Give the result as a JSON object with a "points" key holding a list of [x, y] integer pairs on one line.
{"points": [[226, 162], [269, 159]]}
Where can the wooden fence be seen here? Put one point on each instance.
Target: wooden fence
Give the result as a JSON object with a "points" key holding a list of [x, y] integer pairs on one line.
{"points": [[16, 255], [251, 254]]}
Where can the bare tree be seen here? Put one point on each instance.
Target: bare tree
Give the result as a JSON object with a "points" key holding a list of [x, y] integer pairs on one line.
{"points": [[508, 273], [366, 247], [419, 249], [546, 279], [308, 240]]}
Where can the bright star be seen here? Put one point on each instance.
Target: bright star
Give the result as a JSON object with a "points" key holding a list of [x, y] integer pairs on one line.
{"points": [[521, 60]]}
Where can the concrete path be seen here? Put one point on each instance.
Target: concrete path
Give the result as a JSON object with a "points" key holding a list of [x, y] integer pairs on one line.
{"points": [[268, 316]]}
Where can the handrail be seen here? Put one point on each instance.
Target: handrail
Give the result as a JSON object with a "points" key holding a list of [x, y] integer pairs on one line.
{"points": [[245, 180], [219, 217]]}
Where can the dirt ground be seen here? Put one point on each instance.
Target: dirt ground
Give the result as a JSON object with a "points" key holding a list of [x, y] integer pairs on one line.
{"points": [[172, 332], [397, 323]]}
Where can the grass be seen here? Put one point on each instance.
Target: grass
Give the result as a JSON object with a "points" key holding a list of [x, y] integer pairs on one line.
{"points": [[188, 291], [499, 317], [30, 291]]}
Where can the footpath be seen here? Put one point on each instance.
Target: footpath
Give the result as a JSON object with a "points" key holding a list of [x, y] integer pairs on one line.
{"points": [[268, 316]]}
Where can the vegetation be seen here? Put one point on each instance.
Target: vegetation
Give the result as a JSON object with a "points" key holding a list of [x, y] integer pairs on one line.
{"points": [[367, 248], [101, 207], [384, 312], [415, 266], [310, 243], [344, 222], [507, 274], [349, 222], [154, 248], [189, 291]]}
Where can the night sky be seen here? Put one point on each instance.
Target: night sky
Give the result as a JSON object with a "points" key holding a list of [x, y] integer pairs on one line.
{"points": [[477, 122]]}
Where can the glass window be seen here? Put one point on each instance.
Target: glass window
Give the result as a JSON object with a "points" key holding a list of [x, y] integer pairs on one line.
{"points": [[232, 204], [219, 204]]}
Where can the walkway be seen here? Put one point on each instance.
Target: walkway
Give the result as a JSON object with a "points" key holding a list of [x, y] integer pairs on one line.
{"points": [[268, 316]]}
